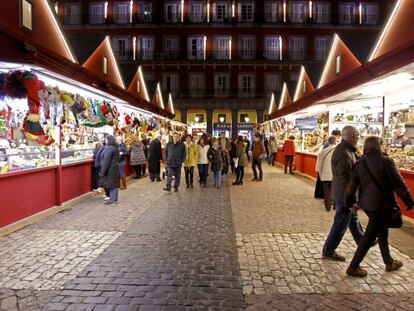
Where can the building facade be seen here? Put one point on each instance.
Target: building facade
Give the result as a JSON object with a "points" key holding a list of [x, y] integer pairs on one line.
{"points": [[222, 59]]}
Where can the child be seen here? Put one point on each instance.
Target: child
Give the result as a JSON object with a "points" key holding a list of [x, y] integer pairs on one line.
{"points": [[216, 156], [289, 151]]}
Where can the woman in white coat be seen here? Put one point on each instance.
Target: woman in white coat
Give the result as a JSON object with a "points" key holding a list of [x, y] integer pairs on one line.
{"points": [[324, 169]]}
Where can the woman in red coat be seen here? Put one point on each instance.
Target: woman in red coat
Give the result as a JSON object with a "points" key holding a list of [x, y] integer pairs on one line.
{"points": [[289, 151]]}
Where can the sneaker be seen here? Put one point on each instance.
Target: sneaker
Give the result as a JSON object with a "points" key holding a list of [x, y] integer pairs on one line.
{"points": [[109, 202], [107, 198], [356, 272], [104, 196], [334, 257], [395, 265]]}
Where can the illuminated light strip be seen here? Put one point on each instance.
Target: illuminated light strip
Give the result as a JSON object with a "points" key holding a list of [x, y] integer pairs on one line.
{"points": [[233, 9], [230, 47], [280, 48], [182, 11], [118, 73], [142, 81], [360, 12], [272, 103], [160, 95], [205, 47], [208, 11], [62, 37], [325, 69], [106, 9], [284, 11], [282, 96], [134, 48], [299, 86], [310, 9], [131, 10], [384, 31], [170, 103]]}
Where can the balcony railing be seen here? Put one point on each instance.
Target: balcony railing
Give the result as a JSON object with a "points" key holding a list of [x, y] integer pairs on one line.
{"points": [[96, 19], [370, 19], [297, 18], [321, 54], [273, 18], [321, 18], [260, 93], [197, 17], [172, 17], [294, 55], [73, 19]]}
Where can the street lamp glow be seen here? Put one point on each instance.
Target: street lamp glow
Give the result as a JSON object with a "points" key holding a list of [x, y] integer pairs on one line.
{"points": [[57, 8], [221, 119], [196, 119], [246, 119]]}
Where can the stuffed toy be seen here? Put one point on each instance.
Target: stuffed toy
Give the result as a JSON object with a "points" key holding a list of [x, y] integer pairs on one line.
{"points": [[32, 121]]}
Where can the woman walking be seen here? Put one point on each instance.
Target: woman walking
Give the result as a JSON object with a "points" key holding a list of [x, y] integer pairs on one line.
{"points": [[272, 150], [324, 170], [110, 169], [138, 158], [377, 178], [123, 151], [217, 158], [232, 154], [202, 162], [191, 156], [289, 152], [242, 160]]}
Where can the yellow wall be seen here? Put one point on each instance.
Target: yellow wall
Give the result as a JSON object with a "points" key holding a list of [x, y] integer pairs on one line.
{"points": [[252, 116], [216, 115], [177, 115], [192, 113]]}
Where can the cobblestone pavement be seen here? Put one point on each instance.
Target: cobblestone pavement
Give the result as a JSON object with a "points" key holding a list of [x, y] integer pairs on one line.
{"points": [[253, 247]]}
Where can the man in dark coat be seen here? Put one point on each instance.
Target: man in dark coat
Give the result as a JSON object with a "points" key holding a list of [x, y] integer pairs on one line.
{"points": [[154, 158], [110, 169], [343, 159], [174, 155]]}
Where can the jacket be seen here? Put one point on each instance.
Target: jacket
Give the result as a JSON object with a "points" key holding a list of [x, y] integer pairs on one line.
{"points": [[241, 154], [323, 163], [258, 149], [137, 154], [97, 153], [227, 144], [203, 154], [371, 198], [233, 151], [273, 146], [155, 152], [343, 159], [123, 151], [289, 147], [191, 155], [175, 154], [110, 164], [216, 156]]}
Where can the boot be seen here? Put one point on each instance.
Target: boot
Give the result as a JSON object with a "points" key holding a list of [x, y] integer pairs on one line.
{"points": [[395, 265], [123, 183], [358, 272]]}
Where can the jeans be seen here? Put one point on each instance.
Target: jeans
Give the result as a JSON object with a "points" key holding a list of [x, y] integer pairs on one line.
{"points": [[239, 174], [173, 171], [122, 169], [289, 163], [155, 170], [327, 194], [217, 178], [344, 218], [96, 177], [376, 228], [202, 170], [113, 194], [189, 175], [258, 163], [272, 158]]}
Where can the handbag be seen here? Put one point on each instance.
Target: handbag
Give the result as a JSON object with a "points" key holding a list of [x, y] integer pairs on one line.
{"points": [[394, 219]]}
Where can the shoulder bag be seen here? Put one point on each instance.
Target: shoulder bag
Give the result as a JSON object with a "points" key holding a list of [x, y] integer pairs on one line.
{"points": [[394, 215]]}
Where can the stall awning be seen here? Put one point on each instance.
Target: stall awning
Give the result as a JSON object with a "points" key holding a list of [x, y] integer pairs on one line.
{"points": [[285, 99], [157, 99], [304, 85], [138, 85]]}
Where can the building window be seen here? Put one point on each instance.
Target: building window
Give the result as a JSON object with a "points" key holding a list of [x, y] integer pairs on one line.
{"points": [[172, 12], [138, 86], [105, 65], [272, 47], [199, 118], [222, 47], [121, 12], [321, 47], [170, 83], [297, 48], [272, 83], [196, 48], [96, 13], [247, 47], [145, 9], [297, 11], [338, 64], [26, 14], [273, 11], [197, 84], [222, 85], [244, 117], [121, 47], [246, 86], [221, 11], [346, 13], [321, 12], [171, 48], [73, 13], [246, 11], [370, 13], [197, 13], [147, 48]]}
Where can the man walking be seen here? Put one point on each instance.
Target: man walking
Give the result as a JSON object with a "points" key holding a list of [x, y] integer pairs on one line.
{"points": [[343, 159], [175, 156], [155, 158], [225, 146], [258, 153]]}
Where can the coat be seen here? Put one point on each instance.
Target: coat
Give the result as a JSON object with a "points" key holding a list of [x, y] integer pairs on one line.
{"points": [[371, 198], [323, 163], [110, 165], [137, 154], [216, 156], [289, 148], [97, 154], [155, 151], [203, 154], [241, 155], [343, 159], [123, 151], [258, 149], [175, 154], [191, 155]]}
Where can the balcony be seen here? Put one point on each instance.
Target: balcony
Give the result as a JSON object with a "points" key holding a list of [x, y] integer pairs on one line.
{"points": [[321, 55], [297, 55], [273, 18], [197, 17], [172, 17], [96, 19], [370, 19], [73, 19], [214, 93], [321, 18], [297, 18]]}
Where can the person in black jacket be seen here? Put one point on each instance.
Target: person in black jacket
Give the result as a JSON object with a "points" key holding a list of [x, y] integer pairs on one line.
{"points": [[123, 151], [110, 169], [373, 171], [343, 159], [174, 155], [155, 158]]}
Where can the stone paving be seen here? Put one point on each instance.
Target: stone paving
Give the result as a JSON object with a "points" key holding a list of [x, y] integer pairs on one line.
{"points": [[253, 247]]}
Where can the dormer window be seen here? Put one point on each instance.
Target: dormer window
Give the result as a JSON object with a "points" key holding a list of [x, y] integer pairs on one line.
{"points": [[26, 14]]}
